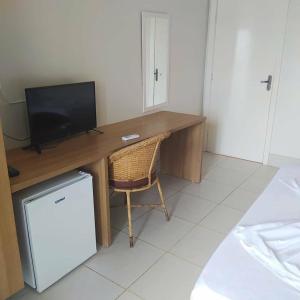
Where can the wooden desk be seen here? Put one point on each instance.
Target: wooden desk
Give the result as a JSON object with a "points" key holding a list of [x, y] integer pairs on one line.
{"points": [[181, 156]]}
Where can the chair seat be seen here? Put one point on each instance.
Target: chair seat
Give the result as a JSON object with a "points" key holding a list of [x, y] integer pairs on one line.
{"points": [[132, 184]]}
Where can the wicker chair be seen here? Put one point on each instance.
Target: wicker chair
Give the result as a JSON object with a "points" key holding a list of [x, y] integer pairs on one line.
{"points": [[133, 169]]}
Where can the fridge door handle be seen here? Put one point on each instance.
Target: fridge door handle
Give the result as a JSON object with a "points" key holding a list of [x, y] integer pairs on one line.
{"points": [[59, 200]]}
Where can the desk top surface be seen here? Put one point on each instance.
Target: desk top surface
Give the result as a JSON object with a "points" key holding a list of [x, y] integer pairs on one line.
{"points": [[87, 148]]}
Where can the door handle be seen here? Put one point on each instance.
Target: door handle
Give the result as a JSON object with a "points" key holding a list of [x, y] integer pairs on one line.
{"points": [[59, 200], [268, 82], [156, 74]]}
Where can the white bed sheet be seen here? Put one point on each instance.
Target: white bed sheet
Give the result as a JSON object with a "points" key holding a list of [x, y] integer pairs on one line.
{"points": [[231, 273]]}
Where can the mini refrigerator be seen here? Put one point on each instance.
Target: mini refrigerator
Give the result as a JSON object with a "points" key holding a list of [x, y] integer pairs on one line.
{"points": [[56, 227]]}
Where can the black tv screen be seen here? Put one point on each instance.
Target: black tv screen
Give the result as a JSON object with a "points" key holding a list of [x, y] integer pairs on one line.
{"points": [[56, 112]]}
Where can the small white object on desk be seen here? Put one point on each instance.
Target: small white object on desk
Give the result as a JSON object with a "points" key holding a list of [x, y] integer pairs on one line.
{"points": [[130, 137]]}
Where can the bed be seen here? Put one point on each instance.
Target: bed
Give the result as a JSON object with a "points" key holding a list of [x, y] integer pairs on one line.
{"points": [[231, 273]]}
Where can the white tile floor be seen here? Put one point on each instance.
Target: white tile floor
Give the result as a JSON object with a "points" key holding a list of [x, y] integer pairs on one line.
{"points": [[168, 256]]}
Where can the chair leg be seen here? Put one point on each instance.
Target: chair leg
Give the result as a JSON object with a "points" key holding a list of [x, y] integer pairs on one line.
{"points": [[129, 219], [162, 200]]}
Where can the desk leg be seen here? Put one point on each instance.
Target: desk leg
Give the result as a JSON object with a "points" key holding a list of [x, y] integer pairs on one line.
{"points": [[11, 276], [99, 170], [181, 154]]}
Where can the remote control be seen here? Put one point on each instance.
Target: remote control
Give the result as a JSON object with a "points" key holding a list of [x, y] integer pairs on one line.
{"points": [[130, 137]]}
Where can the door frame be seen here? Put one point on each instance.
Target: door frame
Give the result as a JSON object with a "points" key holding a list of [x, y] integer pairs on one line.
{"points": [[208, 77], [144, 15]]}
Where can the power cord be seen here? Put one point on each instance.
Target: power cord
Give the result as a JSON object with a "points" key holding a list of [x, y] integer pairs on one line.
{"points": [[15, 139], [4, 98], [10, 103]]}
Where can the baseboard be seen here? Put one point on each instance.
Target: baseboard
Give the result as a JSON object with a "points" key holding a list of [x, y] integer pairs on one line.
{"points": [[280, 161]]}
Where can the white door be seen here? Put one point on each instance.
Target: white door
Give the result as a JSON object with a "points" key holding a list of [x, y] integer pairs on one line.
{"points": [[285, 141], [247, 47]]}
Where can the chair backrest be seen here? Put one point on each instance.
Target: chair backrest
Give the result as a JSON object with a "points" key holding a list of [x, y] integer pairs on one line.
{"points": [[136, 161]]}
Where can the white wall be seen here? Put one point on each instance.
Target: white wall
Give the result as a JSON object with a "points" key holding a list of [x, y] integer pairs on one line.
{"points": [[44, 42], [285, 142]]}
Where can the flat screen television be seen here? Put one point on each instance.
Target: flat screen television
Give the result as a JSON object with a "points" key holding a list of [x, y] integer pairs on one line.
{"points": [[56, 112]]}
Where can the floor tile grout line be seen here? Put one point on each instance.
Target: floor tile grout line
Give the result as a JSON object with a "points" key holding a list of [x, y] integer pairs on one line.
{"points": [[217, 202], [217, 164], [192, 228], [239, 210], [221, 203], [188, 221], [155, 209], [259, 165], [221, 158], [159, 248], [202, 197], [120, 295], [239, 187], [154, 263], [166, 252], [188, 231], [218, 231], [163, 254], [248, 177], [127, 290], [172, 247], [185, 259], [143, 214], [105, 277], [194, 225], [155, 246]]}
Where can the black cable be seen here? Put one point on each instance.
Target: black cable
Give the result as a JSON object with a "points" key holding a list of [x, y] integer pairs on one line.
{"points": [[97, 130], [16, 139]]}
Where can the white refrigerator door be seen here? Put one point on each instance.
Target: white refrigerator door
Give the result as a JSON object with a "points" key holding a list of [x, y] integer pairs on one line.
{"points": [[61, 231]]}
